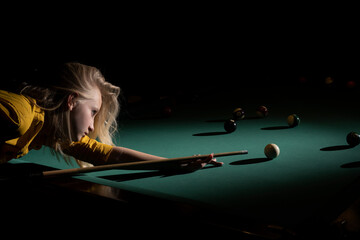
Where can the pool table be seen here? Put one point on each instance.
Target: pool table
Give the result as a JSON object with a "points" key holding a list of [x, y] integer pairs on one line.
{"points": [[300, 193]]}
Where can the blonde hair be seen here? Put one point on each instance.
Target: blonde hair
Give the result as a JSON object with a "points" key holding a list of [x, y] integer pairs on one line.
{"points": [[79, 79]]}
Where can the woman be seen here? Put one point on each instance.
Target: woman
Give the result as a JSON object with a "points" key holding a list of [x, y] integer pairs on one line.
{"points": [[68, 115]]}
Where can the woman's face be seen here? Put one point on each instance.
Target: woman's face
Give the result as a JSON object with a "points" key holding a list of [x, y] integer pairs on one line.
{"points": [[82, 115]]}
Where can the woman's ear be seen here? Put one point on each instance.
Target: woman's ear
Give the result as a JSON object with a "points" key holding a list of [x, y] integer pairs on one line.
{"points": [[71, 101]]}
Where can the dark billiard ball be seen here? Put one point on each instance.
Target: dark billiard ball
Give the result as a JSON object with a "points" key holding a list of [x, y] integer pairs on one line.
{"points": [[293, 120], [262, 111], [353, 139], [230, 125], [238, 114]]}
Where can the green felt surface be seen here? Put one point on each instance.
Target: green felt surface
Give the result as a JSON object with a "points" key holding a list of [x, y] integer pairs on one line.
{"points": [[313, 166]]}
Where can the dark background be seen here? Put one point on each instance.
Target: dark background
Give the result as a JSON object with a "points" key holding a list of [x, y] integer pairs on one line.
{"points": [[164, 49]]}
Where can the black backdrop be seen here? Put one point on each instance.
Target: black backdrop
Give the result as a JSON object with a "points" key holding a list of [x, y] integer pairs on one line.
{"points": [[147, 52]]}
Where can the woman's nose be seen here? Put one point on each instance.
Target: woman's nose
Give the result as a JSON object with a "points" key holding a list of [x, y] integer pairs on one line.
{"points": [[91, 127]]}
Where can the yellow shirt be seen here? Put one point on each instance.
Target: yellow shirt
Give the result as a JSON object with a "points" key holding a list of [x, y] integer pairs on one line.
{"points": [[20, 122]]}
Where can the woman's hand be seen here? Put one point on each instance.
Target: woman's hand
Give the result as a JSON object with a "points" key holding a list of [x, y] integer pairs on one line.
{"points": [[200, 163]]}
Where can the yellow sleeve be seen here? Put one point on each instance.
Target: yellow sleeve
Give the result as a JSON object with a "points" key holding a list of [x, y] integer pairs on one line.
{"points": [[20, 122], [89, 150], [16, 115]]}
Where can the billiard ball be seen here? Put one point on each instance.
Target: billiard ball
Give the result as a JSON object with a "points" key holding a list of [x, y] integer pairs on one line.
{"points": [[262, 111], [350, 84], [167, 111], [271, 151], [353, 139], [329, 81], [293, 120], [230, 125], [238, 114]]}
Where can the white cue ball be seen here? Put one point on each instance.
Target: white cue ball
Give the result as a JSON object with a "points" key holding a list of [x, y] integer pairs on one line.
{"points": [[271, 151]]}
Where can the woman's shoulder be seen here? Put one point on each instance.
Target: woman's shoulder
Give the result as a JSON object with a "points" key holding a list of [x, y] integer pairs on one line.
{"points": [[17, 110]]}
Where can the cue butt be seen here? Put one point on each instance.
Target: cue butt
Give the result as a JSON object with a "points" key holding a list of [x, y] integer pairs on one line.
{"points": [[148, 165]]}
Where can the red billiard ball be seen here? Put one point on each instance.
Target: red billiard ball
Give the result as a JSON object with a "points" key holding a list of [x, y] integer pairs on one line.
{"points": [[353, 139], [230, 125], [167, 111], [350, 84], [302, 80], [262, 111]]}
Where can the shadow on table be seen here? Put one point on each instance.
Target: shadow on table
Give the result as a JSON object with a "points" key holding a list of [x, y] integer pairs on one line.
{"points": [[336, 148], [351, 165], [132, 176], [147, 174], [210, 133], [275, 128], [250, 161]]}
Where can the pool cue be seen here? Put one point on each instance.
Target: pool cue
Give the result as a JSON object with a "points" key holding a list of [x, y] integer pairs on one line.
{"points": [[132, 165]]}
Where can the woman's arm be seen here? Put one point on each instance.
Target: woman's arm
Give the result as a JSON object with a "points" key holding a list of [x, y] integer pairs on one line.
{"points": [[89, 150], [121, 154]]}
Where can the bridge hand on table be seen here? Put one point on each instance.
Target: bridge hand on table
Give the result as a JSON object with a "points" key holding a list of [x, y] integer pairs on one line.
{"points": [[200, 163]]}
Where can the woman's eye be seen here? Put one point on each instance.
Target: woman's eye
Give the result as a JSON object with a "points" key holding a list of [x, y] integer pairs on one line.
{"points": [[94, 112]]}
